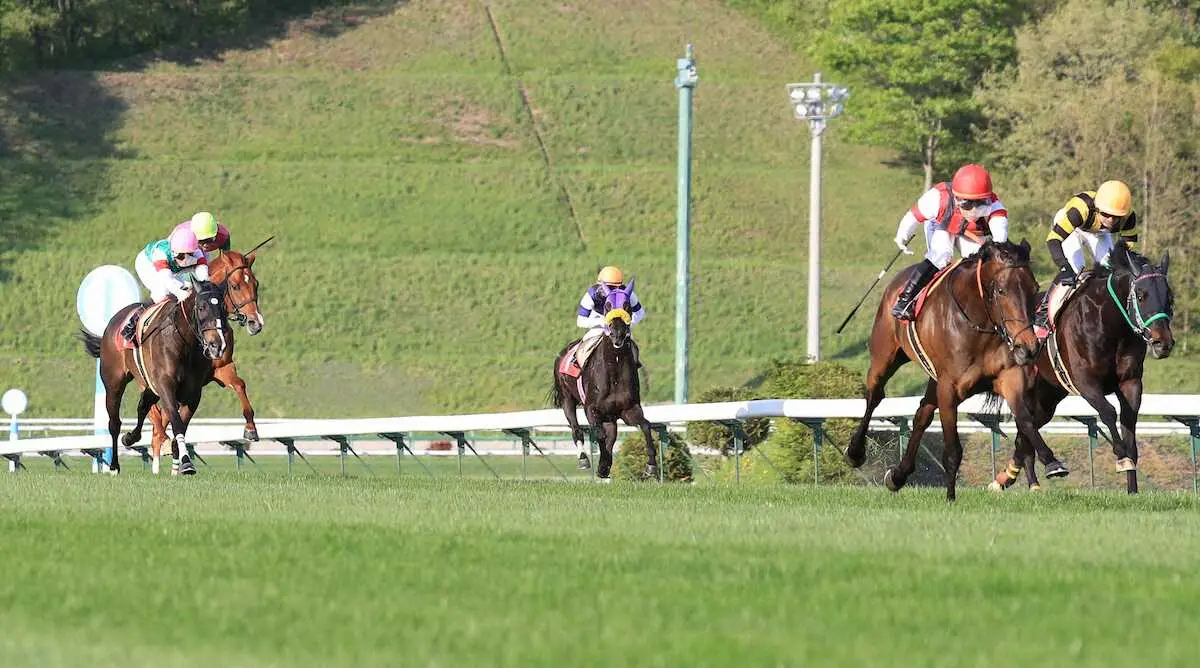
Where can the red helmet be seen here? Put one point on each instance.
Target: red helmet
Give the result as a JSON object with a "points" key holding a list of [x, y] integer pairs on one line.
{"points": [[971, 182]]}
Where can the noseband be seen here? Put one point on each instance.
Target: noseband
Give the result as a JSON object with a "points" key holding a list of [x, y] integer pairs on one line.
{"points": [[235, 311], [997, 329], [1132, 305]]}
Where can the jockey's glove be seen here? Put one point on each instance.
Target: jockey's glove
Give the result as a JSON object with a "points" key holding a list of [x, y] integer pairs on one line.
{"points": [[902, 244], [1066, 276]]}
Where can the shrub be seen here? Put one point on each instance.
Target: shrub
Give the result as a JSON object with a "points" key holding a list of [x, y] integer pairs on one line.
{"points": [[630, 461], [717, 436], [790, 445]]}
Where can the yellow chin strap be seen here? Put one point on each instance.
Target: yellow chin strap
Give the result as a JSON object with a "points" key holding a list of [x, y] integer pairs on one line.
{"points": [[618, 313]]}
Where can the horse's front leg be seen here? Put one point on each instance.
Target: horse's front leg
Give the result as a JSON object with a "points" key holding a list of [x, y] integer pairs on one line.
{"points": [[634, 417], [608, 439], [896, 476], [948, 400], [180, 461], [227, 376], [1014, 387], [1129, 397]]}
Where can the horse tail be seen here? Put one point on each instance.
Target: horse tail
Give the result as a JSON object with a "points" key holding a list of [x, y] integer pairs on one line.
{"points": [[555, 396], [991, 404], [91, 343]]}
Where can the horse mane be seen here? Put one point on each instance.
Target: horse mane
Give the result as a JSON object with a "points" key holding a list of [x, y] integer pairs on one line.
{"points": [[1006, 252]]}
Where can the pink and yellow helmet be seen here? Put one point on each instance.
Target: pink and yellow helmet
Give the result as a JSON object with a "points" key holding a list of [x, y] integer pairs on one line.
{"points": [[183, 240]]}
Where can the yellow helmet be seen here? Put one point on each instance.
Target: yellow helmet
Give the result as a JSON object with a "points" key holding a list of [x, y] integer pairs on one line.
{"points": [[204, 224], [1114, 198], [610, 276]]}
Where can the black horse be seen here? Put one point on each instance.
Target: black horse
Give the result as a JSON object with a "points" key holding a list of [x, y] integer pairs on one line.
{"points": [[607, 386], [1101, 338], [172, 364]]}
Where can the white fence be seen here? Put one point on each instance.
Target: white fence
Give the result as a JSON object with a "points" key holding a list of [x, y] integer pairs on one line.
{"points": [[1161, 413]]}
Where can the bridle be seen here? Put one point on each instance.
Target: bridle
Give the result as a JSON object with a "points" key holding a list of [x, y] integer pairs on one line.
{"points": [[996, 328], [234, 309], [1139, 323]]}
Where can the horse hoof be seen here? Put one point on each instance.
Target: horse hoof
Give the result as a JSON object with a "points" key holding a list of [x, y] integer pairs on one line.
{"points": [[584, 463], [1126, 464], [1035, 487], [250, 434], [994, 486], [1056, 469], [128, 439], [855, 462], [652, 472], [889, 480], [114, 471], [605, 480]]}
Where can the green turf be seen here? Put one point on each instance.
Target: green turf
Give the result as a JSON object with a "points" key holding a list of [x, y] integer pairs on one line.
{"points": [[426, 259], [246, 570]]}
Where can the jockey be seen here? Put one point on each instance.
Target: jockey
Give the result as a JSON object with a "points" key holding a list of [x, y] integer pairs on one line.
{"points": [[1089, 217], [161, 264], [591, 317], [213, 236], [953, 214]]}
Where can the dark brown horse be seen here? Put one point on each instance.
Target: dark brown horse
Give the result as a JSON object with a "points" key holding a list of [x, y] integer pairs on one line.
{"points": [[172, 364], [974, 331], [611, 387], [234, 273], [1102, 335]]}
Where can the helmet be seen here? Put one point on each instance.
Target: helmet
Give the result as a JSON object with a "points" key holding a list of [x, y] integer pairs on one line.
{"points": [[183, 240], [1114, 198], [610, 276], [971, 182], [204, 224]]}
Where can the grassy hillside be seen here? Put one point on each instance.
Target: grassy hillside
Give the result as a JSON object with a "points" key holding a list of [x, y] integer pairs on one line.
{"points": [[428, 259]]}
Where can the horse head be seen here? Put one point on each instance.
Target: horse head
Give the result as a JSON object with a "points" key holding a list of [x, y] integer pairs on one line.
{"points": [[208, 317], [235, 272], [1150, 303], [1007, 287], [617, 317]]}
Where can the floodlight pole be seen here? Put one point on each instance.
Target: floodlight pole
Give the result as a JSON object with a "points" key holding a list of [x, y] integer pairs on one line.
{"points": [[815, 102]]}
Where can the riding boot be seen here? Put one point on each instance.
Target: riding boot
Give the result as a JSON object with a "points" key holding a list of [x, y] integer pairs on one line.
{"points": [[903, 310], [1041, 317], [130, 330]]}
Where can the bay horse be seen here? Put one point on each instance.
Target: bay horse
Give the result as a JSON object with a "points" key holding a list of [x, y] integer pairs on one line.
{"points": [[972, 334], [234, 273], [607, 386], [1099, 345], [171, 365]]}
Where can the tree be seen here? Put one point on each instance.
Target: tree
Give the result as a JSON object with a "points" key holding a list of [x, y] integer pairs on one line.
{"points": [[1087, 102], [914, 65]]}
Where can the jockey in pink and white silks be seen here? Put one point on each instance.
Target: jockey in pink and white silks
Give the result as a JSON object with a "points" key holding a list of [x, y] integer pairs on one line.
{"points": [[953, 215], [590, 315], [162, 265]]}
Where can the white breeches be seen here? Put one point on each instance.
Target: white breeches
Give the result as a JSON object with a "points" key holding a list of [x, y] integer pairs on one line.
{"points": [[941, 245], [1099, 243]]}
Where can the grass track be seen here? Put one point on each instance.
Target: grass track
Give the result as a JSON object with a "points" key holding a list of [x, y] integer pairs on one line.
{"points": [[325, 570]]}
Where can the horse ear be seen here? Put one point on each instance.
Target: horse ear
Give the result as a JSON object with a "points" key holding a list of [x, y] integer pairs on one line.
{"points": [[629, 285], [1025, 246], [1166, 262]]}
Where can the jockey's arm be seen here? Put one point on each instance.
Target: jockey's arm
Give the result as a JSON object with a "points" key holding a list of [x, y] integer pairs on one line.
{"points": [[1065, 222], [925, 209], [587, 317], [998, 222], [635, 309], [173, 284], [1128, 233]]}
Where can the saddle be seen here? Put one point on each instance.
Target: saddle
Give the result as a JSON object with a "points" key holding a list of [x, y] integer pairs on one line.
{"points": [[1056, 299], [142, 317], [925, 291]]}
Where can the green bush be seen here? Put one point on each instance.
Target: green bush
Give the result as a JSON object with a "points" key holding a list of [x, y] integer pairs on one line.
{"points": [[630, 462], [717, 436], [790, 445]]}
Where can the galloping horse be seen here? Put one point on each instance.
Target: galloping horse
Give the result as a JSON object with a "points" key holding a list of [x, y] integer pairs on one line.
{"points": [[607, 385], [972, 335], [233, 271], [1098, 347], [179, 340]]}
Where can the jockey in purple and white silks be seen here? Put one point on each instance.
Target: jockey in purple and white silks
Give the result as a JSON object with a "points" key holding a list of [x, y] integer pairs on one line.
{"points": [[590, 315]]}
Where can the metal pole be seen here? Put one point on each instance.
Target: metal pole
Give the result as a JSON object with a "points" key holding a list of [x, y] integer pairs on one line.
{"points": [[816, 128], [12, 438], [685, 81]]}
